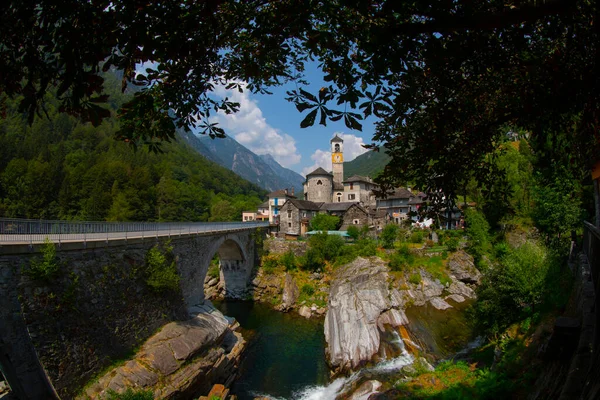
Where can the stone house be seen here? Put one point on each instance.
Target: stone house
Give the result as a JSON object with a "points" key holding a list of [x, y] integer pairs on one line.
{"points": [[355, 215], [295, 216], [360, 189]]}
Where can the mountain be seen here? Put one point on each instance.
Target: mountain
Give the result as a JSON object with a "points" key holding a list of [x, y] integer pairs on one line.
{"points": [[60, 168], [369, 164], [262, 170]]}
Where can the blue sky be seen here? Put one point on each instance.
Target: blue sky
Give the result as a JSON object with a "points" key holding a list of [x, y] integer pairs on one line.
{"points": [[270, 124]]}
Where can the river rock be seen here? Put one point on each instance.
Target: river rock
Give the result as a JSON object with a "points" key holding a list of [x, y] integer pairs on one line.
{"points": [[359, 295], [305, 312], [183, 356], [461, 289], [365, 390], [426, 290], [439, 303], [463, 268], [290, 293], [455, 297]]}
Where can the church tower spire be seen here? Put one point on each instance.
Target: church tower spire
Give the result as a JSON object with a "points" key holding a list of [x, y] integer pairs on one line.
{"points": [[337, 158]]}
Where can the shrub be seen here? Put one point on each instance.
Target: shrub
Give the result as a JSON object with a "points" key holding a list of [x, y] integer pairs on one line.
{"points": [[452, 244], [402, 259], [161, 270], [213, 270], [269, 263], [353, 232], [312, 260], [366, 247], [288, 260], [388, 235], [327, 247], [429, 243], [477, 229], [415, 278], [47, 267], [324, 222], [307, 289], [417, 236], [501, 249]]}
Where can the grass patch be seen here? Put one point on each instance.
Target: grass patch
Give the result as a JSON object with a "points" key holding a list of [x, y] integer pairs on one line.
{"points": [[458, 381]]}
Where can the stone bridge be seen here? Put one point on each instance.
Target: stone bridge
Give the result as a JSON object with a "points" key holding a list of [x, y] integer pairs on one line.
{"points": [[102, 302]]}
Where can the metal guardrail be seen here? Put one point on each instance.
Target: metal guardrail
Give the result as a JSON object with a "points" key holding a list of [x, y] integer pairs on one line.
{"points": [[28, 231]]}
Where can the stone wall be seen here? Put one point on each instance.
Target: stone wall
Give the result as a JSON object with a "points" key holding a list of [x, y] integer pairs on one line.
{"points": [[352, 214], [99, 307], [318, 193], [280, 246]]}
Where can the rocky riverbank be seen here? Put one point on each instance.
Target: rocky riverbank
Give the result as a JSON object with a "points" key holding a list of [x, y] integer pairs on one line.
{"points": [[183, 360]]}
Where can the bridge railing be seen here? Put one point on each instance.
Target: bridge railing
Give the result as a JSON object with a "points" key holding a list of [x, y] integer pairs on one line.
{"points": [[36, 231]]}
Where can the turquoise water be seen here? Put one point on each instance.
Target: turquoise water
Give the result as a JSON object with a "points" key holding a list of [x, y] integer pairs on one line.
{"points": [[285, 354]]}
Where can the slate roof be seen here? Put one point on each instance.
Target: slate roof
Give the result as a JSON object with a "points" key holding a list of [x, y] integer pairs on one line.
{"points": [[338, 186], [305, 204], [337, 139], [359, 178], [280, 193], [264, 205], [320, 171], [338, 206], [400, 193]]}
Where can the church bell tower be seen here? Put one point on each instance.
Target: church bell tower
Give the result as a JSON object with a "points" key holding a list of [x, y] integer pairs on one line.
{"points": [[337, 158]]}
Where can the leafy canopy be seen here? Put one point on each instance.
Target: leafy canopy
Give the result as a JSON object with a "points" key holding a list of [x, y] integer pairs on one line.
{"points": [[440, 77]]}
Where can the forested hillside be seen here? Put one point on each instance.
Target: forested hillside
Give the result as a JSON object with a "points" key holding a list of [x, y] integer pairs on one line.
{"points": [[59, 168], [369, 164]]}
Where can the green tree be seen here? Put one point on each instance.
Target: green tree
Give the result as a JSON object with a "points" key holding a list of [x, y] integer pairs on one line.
{"points": [[324, 222], [389, 235], [441, 84], [353, 232], [478, 231]]}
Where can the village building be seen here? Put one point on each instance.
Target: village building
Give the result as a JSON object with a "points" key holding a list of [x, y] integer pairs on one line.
{"points": [[401, 205], [296, 215], [276, 200]]}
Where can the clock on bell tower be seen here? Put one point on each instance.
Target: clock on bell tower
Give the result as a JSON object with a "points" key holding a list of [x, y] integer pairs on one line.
{"points": [[337, 159]]}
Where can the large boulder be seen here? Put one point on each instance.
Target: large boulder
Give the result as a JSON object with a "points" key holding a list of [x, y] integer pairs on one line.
{"points": [[463, 268], [290, 293], [359, 304]]}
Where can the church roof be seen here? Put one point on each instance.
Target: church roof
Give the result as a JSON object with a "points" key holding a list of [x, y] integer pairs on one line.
{"points": [[337, 139], [320, 171]]}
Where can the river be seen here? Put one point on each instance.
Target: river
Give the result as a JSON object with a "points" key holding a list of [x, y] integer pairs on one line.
{"points": [[285, 358]]}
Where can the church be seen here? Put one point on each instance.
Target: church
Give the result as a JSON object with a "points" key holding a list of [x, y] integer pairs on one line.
{"points": [[330, 187]]}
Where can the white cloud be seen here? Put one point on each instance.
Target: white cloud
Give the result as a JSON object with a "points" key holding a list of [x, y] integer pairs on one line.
{"points": [[353, 147], [249, 127]]}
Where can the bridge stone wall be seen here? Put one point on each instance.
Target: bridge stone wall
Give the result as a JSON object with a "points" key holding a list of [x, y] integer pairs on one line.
{"points": [[58, 335]]}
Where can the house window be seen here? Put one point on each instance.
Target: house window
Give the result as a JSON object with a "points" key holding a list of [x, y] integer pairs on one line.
{"points": [[351, 185], [303, 214], [356, 222], [351, 196], [339, 197], [289, 224], [319, 182], [289, 213]]}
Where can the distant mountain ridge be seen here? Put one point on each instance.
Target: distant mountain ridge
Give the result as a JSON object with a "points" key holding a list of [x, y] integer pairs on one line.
{"points": [[261, 170], [368, 164]]}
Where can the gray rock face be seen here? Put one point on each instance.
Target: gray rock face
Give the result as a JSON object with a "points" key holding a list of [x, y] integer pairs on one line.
{"points": [[168, 363], [425, 291], [455, 297], [459, 288], [290, 293], [358, 301], [462, 267], [440, 304], [364, 391]]}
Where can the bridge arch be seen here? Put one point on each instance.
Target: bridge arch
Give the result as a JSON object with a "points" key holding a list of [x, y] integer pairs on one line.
{"points": [[236, 259]]}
